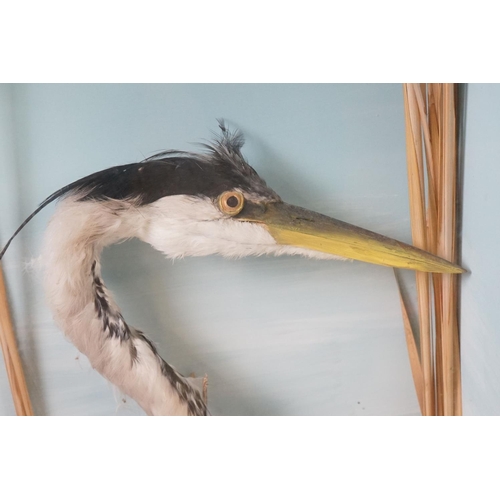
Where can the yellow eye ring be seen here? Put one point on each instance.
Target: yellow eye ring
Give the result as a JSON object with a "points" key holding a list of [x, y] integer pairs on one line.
{"points": [[231, 202]]}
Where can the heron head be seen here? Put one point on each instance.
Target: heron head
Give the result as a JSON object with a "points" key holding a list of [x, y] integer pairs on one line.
{"points": [[216, 203]]}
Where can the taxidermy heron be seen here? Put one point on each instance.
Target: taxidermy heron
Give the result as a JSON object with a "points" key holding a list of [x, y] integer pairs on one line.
{"points": [[183, 204]]}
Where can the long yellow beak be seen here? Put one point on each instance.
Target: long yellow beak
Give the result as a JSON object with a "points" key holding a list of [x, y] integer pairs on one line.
{"points": [[296, 226]]}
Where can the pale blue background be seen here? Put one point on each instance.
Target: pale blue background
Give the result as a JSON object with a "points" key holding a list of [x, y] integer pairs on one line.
{"points": [[481, 244], [276, 336]]}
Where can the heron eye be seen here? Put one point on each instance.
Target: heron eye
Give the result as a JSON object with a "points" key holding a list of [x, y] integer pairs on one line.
{"points": [[231, 202]]}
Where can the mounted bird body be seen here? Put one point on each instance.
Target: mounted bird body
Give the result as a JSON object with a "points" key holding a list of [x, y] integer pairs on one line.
{"points": [[183, 204]]}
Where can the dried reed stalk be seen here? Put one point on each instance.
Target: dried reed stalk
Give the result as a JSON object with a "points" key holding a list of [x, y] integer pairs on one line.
{"points": [[430, 114], [11, 356], [447, 248], [416, 367], [416, 185]]}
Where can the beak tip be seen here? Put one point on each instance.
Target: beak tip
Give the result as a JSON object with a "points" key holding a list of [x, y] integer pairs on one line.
{"points": [[452, 269]]}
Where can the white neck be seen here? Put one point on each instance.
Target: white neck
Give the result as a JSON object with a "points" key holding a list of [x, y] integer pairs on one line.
{"points": [[85, 310]]}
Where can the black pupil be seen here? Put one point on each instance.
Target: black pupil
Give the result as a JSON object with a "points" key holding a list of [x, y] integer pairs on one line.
{"points": [[232, 202]]}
